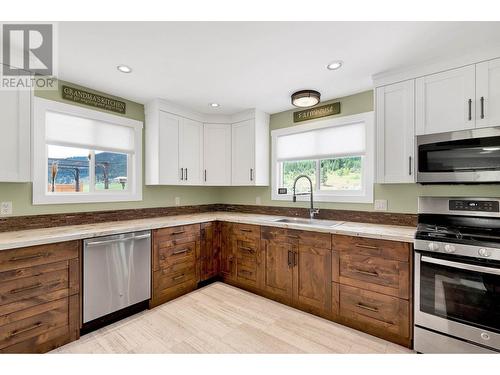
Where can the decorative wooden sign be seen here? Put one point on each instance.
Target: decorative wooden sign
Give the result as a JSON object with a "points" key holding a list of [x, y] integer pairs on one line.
{"points": [[318, 112], [93, 100]]}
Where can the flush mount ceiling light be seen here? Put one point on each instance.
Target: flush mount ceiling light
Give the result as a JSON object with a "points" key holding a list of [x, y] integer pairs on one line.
{"points": [[214, 105], [124, 68], [334, 65], [305, 98]]}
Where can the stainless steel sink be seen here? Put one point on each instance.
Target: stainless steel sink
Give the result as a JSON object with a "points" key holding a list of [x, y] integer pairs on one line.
{"points": [[312, 222]]}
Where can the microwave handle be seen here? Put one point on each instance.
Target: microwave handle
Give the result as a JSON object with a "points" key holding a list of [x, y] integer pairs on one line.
{"points": [[462, 266]]}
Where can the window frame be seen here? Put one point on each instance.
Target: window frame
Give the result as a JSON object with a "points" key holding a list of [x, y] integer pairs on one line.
{"points": [[40, 157], [365, 195]]}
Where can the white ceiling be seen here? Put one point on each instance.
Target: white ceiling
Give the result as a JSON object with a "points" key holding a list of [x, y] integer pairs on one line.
{"points": [[245, 65]]}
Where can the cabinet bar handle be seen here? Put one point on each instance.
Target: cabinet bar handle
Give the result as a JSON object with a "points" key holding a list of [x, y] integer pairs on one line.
{"points": [[482, 107], [178, 232], [470, 109], [245, 230], [186, 174], [205, 175], [295, 258], [23, 289], [369, 308], [182, 174], [290, 260], [178, 277], [19, 331], [26, 257], [181, 251], [249, 249], [251, 174], [366, 246], [409, 165], [368, 273]]}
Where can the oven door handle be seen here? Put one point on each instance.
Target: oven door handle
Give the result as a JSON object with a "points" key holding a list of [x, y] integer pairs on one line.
{"points": [[463, 266]]}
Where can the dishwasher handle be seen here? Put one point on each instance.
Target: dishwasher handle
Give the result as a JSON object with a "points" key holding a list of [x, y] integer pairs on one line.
{"points": [[117, 240]]}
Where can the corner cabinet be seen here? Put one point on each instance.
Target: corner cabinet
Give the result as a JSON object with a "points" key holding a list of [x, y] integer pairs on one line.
{"points": [[15, 125], [187, 148], [395, 132]]}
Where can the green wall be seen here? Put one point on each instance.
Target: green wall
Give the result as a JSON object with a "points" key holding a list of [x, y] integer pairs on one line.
{"points": [[401, 197], [153, 196]]}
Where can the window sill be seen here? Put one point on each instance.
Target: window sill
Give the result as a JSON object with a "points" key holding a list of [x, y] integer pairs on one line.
{"points": [[327, 198]]}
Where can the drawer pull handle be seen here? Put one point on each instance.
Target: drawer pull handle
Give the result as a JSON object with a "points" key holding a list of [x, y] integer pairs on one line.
{"points": [[366, 246], [365, 307], [178, 232], [246, 272], [23, 289], [245, 230], [250, 250], [26, 257], [178, 277], [19, 331], [292, 236], [368, 273], [181, 251]]}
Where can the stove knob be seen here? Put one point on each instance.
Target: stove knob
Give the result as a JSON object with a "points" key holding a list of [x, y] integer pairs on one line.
{"points": [[485, 336], [433, 246], [484, 252], [449, 249]]}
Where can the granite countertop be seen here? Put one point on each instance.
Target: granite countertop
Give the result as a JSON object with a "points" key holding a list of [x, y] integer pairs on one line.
{"points": [[16, 239]]}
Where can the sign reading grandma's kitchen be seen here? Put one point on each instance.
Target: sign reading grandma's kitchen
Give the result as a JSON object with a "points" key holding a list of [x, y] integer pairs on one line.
{"points": [[318, 112], [94, 100]]}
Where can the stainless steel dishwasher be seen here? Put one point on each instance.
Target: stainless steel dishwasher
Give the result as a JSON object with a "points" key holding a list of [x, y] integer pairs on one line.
{"points": [[116, 277]]}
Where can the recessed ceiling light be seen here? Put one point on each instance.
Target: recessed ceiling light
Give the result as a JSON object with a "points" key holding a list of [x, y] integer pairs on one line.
{"points": [[214, 105], [334, 65], [305, 98], [124, 68]]}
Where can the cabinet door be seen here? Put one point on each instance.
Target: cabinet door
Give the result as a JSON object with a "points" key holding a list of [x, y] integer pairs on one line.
{"points": [[191, 151], [243, 153], [227, 256], [169, 149], [278, 265], [217, 154], [209, 250], [15, 132], [446, 101], [396, 132], [488, 94], [312, 290]]}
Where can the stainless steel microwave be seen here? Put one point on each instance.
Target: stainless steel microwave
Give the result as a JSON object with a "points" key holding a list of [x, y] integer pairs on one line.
{"points": [[467, 156]]}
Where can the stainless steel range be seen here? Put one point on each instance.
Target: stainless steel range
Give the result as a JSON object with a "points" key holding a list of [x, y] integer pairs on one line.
{"points": [[457, 275]]}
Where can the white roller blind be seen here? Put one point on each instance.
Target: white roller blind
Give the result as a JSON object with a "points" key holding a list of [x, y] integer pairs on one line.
{"points": [[330, 142], [92, 134]]}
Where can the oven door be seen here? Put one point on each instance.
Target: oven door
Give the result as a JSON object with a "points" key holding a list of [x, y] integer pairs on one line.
{"points": [[464, 156], [457, 298]]}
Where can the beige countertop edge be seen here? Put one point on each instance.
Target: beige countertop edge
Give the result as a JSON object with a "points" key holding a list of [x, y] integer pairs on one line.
{"points": [[31, 237]]}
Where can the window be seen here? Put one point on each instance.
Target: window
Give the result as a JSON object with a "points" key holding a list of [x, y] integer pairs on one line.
{"points": [[81, 155], [336, 154]]}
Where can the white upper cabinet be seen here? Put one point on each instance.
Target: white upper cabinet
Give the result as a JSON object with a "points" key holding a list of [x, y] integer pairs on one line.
{"points": [[395, 132], [217, 154], [488, 94], [250, 151], [188, 148], [15, 124], [191, 151], [446, 101]]}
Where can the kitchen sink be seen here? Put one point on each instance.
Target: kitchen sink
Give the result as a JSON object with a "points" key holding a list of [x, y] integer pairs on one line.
{"points": [[312, 222]]}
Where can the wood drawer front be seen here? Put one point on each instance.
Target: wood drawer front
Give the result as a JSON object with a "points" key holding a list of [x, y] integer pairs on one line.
{"points": [[399, 251], [164, 279], [182, 253], [376, 274], [36, 255], [34, 322], [246, 231], [246, 248], [374, 312], [246, 271], [33, 286], [306, 238], [183, 231]]}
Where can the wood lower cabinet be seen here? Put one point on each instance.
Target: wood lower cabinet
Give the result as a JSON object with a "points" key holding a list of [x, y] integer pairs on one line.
{"points": [[210, 250], [371, 288], [298, 268], [176, 262], [39, 297], [228, 258]]}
